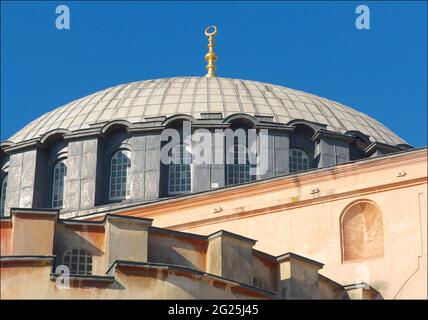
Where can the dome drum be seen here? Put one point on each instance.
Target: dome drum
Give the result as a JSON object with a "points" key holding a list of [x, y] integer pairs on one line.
{"points": [[111, 142]]}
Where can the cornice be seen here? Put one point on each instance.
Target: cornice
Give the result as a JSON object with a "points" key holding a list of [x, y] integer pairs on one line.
{"points": [[277, 183], [372, 147], [294, 205], [47, 213], [83, 134], [26, 145], [224, 233], [323, 133], [27, 259], [289, 255], [176, 268]]}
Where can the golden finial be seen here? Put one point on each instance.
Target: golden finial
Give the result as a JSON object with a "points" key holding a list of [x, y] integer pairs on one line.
{"points": [[211, 56]]}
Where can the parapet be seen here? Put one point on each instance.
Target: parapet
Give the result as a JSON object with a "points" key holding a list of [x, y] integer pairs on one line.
{"points": [[126, 257]]}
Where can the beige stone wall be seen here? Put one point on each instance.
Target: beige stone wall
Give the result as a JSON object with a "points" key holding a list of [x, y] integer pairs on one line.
{"points": [[32, 234], [129, 284], [5, 237], [214, 256], [266, 273], [237, 260], [314, 231], [298, 279], [16, 280], [126, 240], [38, 236], [89, 238], [172, 249], [284, 215], [312, 228], [330, 291]]}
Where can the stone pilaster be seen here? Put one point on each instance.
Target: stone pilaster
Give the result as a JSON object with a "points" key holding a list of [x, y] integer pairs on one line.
{"points": [[81, 181], [230, 255], [201, 172], [126, 239], [138, 155], [22, 188], [331, 148], [152, 164], [377, 149]]}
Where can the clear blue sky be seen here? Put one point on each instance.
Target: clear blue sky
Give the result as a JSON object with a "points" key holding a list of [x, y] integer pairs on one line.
{"points": [[313, 47]]}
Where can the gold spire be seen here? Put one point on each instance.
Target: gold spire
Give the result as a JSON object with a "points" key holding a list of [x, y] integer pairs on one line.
{"points": [[211, 56]]}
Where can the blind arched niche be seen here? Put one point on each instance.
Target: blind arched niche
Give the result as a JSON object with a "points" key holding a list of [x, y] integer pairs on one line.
{"points": [[361, 231]]}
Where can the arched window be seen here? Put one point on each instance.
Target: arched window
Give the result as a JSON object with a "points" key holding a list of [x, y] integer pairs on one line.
{"points": [[58, 182], [239, 171], [120, 171], [179, 177], [362, 231], [78, 261], [3, 188], [298, 160]]}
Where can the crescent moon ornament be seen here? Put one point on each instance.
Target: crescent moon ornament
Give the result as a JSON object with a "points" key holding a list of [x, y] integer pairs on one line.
{"points": [[211, 56], [212, 33]]}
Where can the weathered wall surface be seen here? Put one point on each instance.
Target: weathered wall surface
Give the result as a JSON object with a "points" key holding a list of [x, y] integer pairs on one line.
{"points": [[126, 241], [314, 231], [81, 182], [170, 249], [329, 290], [128, 258], [32, 234], [265, 272], [5, 238], [128, 284], [89, 238], [21, 187], [302, 214]]}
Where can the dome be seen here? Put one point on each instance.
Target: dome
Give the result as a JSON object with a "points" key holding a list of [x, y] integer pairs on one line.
{"points": [[138, 101]]}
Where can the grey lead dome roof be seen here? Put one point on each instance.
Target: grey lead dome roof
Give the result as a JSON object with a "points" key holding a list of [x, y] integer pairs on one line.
{"points": [[137, 101]]}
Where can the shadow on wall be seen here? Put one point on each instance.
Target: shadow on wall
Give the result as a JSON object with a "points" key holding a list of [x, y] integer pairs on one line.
{"points": [[295, 289], [175, 251], [69, 238]]}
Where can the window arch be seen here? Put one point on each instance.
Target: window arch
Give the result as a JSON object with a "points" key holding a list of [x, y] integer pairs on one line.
{"points": [[298, 160], [78, 261], [3, 188], [179, 171], [362, 231], [120, 172], [58, 183]]}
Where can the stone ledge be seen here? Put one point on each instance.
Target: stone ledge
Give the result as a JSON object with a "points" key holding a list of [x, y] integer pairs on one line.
{"points": [[287, 256], [162, 266], [221, 233], [80, 277], [41, 259]]}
